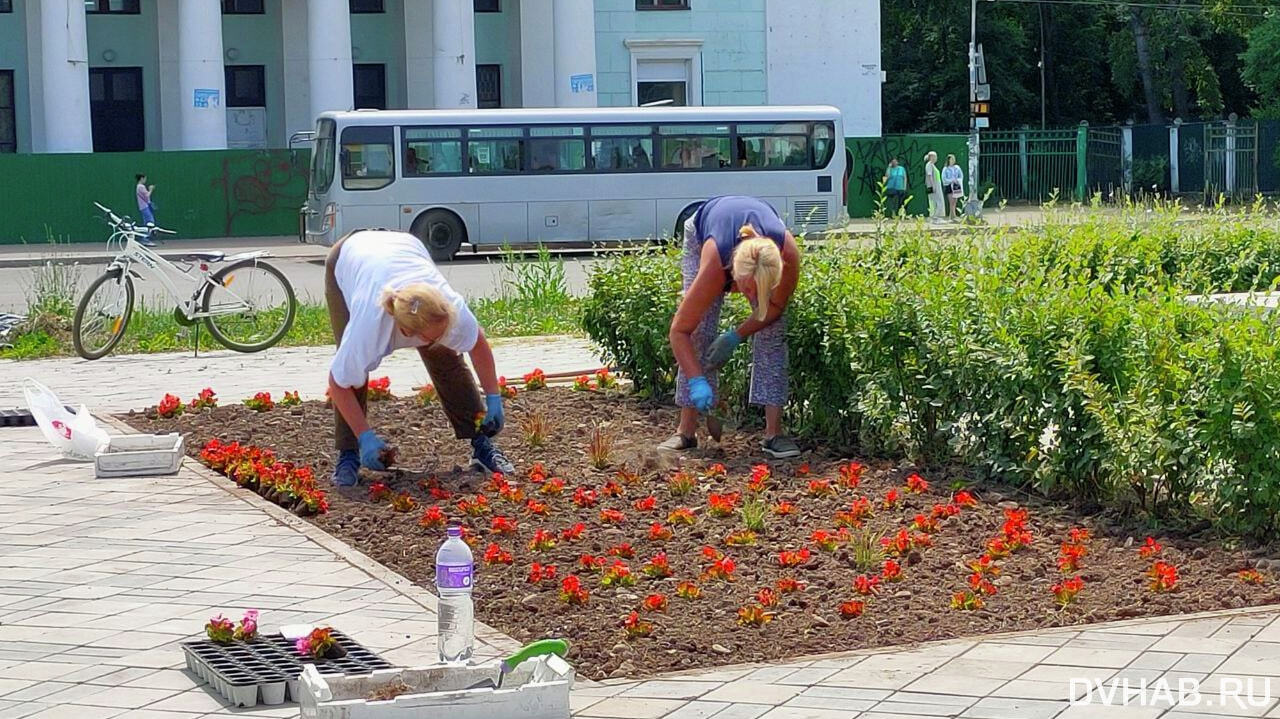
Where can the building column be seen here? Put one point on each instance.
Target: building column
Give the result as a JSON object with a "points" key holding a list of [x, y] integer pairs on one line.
{"points": [[453, 34], [537, 54], [329, 56], [574, 23], [64, 71], [201, 79]]}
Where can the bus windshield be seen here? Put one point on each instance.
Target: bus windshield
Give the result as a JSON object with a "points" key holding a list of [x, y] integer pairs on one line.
{"points": [[322, 159]]}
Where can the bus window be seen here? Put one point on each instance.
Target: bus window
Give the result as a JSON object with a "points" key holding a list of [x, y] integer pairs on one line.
{"points": [[784, 145], [823, 144], [322, 160], [432, 151], [367, 158], [494, 150], [693, 147], [557, 149], [622, 147]]}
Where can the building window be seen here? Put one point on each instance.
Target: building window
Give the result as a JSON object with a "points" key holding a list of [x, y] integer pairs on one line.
{"points": [[242, 7], [369, 82], [488, 6], [115, 108], [246, 86], [488, 86], [8, 118], [367, 6], [666, 72], [111, 7], [6, 5], [662, 4]]}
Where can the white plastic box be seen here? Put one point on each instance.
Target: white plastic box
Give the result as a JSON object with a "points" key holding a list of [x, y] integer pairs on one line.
{"points": [[537, 689], [139, 455]]}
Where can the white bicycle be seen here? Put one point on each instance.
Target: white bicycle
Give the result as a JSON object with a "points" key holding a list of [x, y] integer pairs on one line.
{"points": [[247, 305]]}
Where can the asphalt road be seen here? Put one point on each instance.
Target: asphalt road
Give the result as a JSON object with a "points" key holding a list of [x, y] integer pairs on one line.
{"points": [[472, 277]]}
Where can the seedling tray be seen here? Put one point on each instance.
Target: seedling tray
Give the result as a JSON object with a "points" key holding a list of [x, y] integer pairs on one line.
{"points": [[18, 417], [267, 669], [139, 455]]}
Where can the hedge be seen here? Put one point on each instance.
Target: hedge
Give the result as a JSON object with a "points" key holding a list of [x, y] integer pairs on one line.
{"points": [[1064, 359]]}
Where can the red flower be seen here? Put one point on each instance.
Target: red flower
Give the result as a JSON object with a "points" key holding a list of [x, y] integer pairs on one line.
{"points": [[574, 533], [920, 541], [715, 471], [583, 383], [536, 507], [635, 626], [205, 400], [861, 508], [655, 603], [966, 600], [964, 499], [944, 511], [440, 494], [590, 563], [985, 565], [1079, 535], [494, 554], [612, 516], [892, 571], [658, 533], [741, 538], [917, 484], [1251, 576], [820, 488], [617, 575], [658, 567], [1164, 577], [605, 379], [542, 541], [260, 402], [504, 390], [537, 379], [722, 505], [1150, 548], [754, 616], [767, 597], [760, 476], [623, 550], [170, 406], [681, 483], [793, 559], [645, 505], [981, 585], [997, 547], [291, 399], [864, 585], [379, 491], [682, 515], [803, 470], [584, 497], [711, 554], [898, 545], [537, 473], [851, 475], [1066, 590], [721, 569], [403, 502], [892, 499], [824, 540], [552, 487], [688, 590], [852, 609], [921, 523], [1069, 561], [379, 389], [433, 517], [787, 585], [611, 489], [784, 508], [503, 525], [474, 507], [539, 573], [572, 591]]}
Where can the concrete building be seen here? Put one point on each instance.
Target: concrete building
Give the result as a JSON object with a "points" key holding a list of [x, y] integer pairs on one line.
{"points": [[128, 75]]}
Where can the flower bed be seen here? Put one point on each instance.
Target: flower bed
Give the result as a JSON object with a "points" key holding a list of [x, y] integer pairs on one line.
{"points": [[648, 569]]}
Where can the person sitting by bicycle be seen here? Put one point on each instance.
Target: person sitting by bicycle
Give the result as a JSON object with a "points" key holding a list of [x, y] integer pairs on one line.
{"points": [[384, 293]]}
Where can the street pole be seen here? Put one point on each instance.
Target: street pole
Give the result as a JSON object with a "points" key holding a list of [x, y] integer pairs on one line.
{"points": [[973, 206]]}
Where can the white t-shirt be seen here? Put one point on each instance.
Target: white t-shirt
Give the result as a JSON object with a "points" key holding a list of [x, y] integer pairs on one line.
{"points": [[372, 261]]}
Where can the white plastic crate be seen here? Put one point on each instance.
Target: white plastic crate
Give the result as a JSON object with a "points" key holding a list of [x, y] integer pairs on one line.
{"points": [[536, 689], [139, 455]]}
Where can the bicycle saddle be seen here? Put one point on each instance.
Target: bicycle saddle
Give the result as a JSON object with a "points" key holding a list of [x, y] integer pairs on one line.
{"points": [[205, 256]]}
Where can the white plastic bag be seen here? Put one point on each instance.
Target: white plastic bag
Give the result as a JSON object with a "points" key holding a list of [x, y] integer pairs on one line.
{"points": [[76, 435]]}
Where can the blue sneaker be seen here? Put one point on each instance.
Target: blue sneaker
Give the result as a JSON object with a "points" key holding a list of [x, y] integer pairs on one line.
{"points": [[346, 473], [488, 458]]}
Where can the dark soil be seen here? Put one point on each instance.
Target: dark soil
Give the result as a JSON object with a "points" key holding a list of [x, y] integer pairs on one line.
{"points": [[704, 631]]}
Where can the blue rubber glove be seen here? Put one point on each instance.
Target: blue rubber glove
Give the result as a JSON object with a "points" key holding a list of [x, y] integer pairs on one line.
{"points": [[371, 446], [700, 393], [721, 350], [494, 419]]}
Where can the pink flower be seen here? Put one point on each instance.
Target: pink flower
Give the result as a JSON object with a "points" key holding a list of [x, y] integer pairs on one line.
{"points": [[303, 645]]}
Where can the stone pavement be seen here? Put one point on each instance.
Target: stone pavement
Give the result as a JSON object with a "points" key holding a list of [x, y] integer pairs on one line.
{"points": [[121, 383]]}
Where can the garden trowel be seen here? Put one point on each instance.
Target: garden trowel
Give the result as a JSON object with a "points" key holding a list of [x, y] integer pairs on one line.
{"points": [[527, 652]]}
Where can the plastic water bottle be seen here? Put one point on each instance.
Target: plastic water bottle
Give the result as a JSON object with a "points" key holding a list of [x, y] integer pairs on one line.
{"points": [[456, 621]]}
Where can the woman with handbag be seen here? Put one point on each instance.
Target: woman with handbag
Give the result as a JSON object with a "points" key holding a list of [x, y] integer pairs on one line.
{"points": [[953, 184]]}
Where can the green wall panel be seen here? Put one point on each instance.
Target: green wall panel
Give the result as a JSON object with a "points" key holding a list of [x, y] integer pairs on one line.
{"points": [[216, 193], [870, 158]]}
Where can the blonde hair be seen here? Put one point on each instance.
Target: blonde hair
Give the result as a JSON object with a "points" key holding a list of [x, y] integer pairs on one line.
{"points": [[931, 156], [759, 258], [417, 307]]}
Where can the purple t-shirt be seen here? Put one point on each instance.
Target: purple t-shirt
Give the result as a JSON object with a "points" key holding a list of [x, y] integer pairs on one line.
{"points": [[144, 196], [720, 218]]}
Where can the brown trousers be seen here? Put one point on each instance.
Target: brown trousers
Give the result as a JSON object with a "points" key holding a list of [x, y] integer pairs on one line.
{"points": [[459, 394]]}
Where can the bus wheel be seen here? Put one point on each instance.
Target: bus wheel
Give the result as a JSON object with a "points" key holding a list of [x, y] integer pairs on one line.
{"points": [[441, 232], [677, 236]]}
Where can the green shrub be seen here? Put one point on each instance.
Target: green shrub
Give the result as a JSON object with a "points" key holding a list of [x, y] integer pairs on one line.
{"points": [[1064, 359]]}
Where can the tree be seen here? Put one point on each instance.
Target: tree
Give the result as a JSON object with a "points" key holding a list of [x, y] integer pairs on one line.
{"points": [[1262, 65]]}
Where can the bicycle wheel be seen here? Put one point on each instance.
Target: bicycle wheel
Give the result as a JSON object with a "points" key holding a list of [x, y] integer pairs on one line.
{"points": [[253, 306], [103, 315]]}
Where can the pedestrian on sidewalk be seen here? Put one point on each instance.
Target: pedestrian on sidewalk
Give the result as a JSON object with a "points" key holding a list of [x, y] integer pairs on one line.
{"points": [[895, 186], [734, 244], [953, 185], [933, 185], [384, 293], [146, 210]]}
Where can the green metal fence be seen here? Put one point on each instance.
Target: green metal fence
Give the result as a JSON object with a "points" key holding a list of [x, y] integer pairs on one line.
{"points": [[1031, 165], [217, 193], [869, 157]]}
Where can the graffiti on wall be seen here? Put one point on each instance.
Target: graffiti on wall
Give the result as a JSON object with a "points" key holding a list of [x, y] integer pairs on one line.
{"points": [[259, 184], [871, 159]]}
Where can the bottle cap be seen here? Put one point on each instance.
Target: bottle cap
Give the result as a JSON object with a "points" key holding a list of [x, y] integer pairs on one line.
{"points": [[454, 531]]}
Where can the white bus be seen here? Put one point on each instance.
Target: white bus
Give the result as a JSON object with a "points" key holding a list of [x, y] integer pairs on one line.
{"points": [[488, 178]]}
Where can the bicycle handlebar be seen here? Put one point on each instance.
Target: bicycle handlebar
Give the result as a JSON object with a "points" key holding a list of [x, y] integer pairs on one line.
{"points": [[121, 223]]}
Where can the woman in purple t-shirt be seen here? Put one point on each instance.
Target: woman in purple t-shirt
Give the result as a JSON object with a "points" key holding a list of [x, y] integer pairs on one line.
{"points": [[734, 244]]}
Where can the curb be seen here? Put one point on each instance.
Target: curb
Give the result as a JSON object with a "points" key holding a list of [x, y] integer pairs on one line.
{"points": [[104, 258]]}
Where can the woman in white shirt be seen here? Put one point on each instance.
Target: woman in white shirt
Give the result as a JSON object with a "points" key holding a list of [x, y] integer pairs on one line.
{"points": [[384, 293], [953, 185], [933, 186]]}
